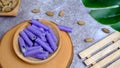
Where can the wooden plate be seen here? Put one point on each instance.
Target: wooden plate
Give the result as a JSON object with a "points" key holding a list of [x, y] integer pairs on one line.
{"points": [[33, 60], [8, 58], [13, 12]]}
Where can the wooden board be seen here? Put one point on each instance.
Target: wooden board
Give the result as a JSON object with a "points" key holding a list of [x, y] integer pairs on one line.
{"points": [[98, 45], [102, 53], [116, 64], [8, 58], [105, 52], [107, 60]]}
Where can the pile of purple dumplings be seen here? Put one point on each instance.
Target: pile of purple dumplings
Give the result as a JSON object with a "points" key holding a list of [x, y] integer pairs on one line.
{"points": [[38, 40]]}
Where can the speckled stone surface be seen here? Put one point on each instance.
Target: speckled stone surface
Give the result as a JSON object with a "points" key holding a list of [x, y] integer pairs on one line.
{"points": [[74, 11]]}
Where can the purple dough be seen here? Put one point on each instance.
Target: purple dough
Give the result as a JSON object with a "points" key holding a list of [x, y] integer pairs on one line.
{"points": [[44, 45], [42, 33], [53, 35], [64, 28], [30, 35], [51, 41], [39, 24], [47, 44], [26, 39], [38, 33], [32, 52], [43, 38], [36, 44], [40, 29], [42, 55], [34, 48], [35, 31], [22, 44]]}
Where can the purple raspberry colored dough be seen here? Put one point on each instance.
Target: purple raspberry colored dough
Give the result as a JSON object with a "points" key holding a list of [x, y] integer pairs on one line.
{"points": [[34, 48], [32, 52], [53, 35], [26, 39], [51, 41], [39, 24], [22, 44], [64, 28], [36, 32], [36, 44], [38, 40], [30, 34], [44, 45], [40, 29], [42, 55]]}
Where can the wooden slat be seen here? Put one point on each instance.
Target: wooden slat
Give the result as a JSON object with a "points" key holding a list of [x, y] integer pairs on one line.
{"points": [[116, 64], [107, 60], [99, 45], [102, 53]]}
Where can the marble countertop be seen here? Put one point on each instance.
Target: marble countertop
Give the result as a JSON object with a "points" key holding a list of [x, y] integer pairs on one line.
{"points": [[74, 11]]}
